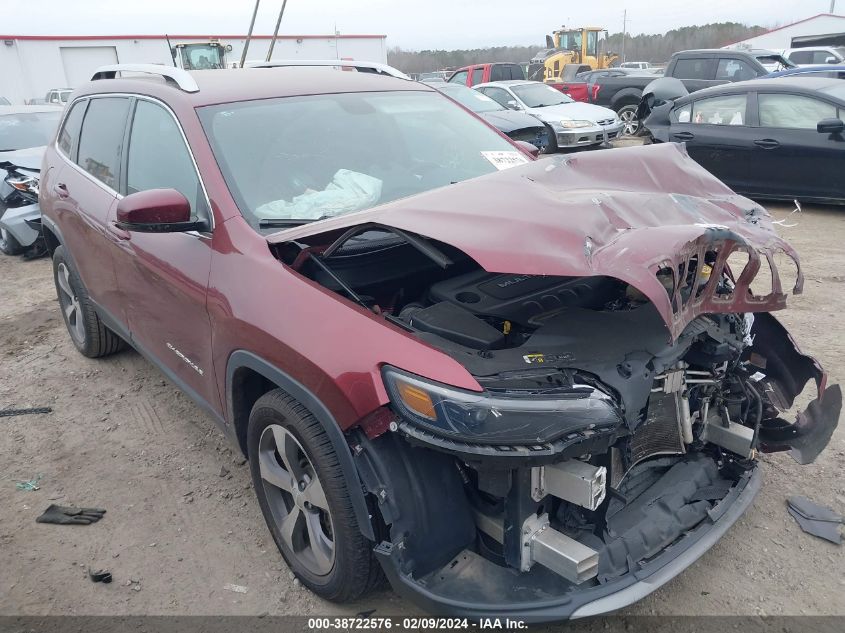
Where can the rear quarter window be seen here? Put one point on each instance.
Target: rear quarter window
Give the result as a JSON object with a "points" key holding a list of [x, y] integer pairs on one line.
{"points": [[693, 68]]}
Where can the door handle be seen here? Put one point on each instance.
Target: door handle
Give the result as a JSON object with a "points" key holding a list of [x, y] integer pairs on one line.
{"points": [[119, 233], [684, 136], [767, 143], [60, 189]]}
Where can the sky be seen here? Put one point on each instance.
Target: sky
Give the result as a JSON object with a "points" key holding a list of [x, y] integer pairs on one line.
{"points": [[410, 24]]}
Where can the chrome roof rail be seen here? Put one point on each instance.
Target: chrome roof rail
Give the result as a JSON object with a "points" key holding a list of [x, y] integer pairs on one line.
{"points": [[181, 78], [363, 66]]}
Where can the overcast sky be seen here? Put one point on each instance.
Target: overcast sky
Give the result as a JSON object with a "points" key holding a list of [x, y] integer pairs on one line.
{"points": [[412, 24]]}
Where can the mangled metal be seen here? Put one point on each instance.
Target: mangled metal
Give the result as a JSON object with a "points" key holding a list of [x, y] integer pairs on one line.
{"points": [[627, 371]]}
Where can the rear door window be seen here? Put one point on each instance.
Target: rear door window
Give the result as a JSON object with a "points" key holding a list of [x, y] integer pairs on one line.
{"points": [[477, 75], [793, 111], [497, 73], [69, 136], [726, 110], [158, 157], [694, 68], [734, 70], [101, 140]]}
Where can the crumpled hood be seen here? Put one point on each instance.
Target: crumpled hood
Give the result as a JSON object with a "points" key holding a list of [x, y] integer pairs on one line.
{"points": [[508, 120], [573, 111], [29, 158], [626, 213]]}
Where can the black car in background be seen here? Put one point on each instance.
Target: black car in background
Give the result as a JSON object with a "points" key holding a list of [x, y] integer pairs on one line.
{"points": [[517, 125], [766, 138]]}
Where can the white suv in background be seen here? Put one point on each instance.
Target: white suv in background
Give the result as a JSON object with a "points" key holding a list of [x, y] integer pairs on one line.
{"points": [[812, 56]]}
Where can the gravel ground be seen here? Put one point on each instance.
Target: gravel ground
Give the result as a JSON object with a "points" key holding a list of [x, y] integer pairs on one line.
{"points": [[183, 523]]}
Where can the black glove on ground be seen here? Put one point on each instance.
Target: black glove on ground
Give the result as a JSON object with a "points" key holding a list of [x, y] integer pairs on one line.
{"points": [[61, 515]]}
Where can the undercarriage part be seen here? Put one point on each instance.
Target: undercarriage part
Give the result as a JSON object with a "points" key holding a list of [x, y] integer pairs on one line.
{"points": [[734, 437], [571, 480], [565, 556], [666, 497]]}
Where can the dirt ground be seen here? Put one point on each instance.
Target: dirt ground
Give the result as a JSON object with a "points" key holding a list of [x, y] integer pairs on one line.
{"points": [[183, 522]]}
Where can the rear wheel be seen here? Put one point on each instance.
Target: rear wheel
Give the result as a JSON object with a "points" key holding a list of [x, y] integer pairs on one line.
{"points": [[8, 244], [305, 501], [89, 335]]}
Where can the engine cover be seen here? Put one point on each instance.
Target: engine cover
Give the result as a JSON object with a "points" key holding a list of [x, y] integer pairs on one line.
{"points": [[522, 298]]}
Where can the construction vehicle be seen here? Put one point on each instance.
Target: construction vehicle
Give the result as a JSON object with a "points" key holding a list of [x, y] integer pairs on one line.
{"points": [[585, 46], [200, 55]]}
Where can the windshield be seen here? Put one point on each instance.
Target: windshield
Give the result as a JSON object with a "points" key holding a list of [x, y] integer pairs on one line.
{"points": [[840, 50], [540, 95], [470, 98], [202, 57], [27, 129], [298, 159]]}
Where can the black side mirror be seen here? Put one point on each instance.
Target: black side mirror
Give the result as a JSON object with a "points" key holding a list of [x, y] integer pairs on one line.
{"points": [[830, 126]]}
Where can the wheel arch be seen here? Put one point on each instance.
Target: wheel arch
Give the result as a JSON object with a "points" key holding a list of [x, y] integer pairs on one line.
{"points": [[52, 234], [626, 96], [248, 377]]}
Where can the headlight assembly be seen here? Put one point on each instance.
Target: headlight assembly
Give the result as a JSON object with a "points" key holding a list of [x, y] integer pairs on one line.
{"points": [[24, 184], [570, 124], [489, 418]]}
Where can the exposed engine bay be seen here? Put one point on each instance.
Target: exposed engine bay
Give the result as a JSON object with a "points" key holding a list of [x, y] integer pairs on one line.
{"points": [[622, 407], [647, 437]]}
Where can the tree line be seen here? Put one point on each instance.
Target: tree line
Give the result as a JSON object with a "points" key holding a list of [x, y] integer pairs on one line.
{"points": [[651, 48]]}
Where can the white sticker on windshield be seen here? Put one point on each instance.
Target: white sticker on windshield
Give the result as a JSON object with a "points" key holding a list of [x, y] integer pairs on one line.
{"points": [[505, 160]]}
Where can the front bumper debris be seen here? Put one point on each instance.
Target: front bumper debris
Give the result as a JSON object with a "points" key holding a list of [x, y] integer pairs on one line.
{"points": [[470, 586]]}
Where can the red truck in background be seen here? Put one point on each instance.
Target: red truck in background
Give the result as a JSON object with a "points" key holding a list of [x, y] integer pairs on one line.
{"points": [[482, 73]]}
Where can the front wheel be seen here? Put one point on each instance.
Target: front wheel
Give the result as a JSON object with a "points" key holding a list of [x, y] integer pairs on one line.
{"points": [[631, 124], [305, 500], [551, 147]]}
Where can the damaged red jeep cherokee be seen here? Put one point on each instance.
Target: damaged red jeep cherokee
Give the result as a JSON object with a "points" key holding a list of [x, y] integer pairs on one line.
{"points": [[537, 391]]}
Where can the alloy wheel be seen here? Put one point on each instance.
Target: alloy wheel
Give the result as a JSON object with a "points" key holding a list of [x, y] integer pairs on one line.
{"points": [[630, 122], [296, 499], [70, 305], [3, 237]]}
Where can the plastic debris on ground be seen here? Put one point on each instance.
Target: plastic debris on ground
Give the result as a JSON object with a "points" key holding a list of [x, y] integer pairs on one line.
{"points": [[6, 413], [30, 485], [235, 588], [101, 575], [815, 519]]}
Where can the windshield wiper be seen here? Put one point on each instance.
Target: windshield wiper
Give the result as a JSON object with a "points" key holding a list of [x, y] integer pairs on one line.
{"points": [[282, 223]]}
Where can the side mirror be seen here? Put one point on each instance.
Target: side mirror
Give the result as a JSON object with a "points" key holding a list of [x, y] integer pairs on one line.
{"points": [[156, 211], [529, 147], [513, 105], [830, 60], [830, 126]]}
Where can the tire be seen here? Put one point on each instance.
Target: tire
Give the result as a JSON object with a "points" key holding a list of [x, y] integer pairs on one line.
{"points": [[8, 244], [551, 147], [342, 566], [88, 333], [628, 114]]}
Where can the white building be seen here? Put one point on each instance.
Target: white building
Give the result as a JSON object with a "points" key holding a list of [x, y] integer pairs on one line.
{"points": [[30, 65], [824, 29]]}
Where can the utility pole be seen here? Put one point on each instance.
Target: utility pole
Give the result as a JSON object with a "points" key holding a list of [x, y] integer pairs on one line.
{"points": [[276, 32], [625, 29], [832, 6], [249, 35]]}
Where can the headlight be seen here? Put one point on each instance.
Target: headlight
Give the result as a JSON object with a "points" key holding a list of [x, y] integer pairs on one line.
{"points": [[575, 124], [484, 417], [25, 184]]}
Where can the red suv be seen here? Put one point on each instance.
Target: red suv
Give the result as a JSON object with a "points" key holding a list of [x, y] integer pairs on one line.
{"points": [[534, 388]]}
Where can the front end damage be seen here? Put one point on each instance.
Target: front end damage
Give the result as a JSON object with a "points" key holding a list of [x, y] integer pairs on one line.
{"points": [[628, 369]]}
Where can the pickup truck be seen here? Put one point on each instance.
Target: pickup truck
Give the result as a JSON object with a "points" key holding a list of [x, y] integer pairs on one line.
{"points": [[697, 69]]}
